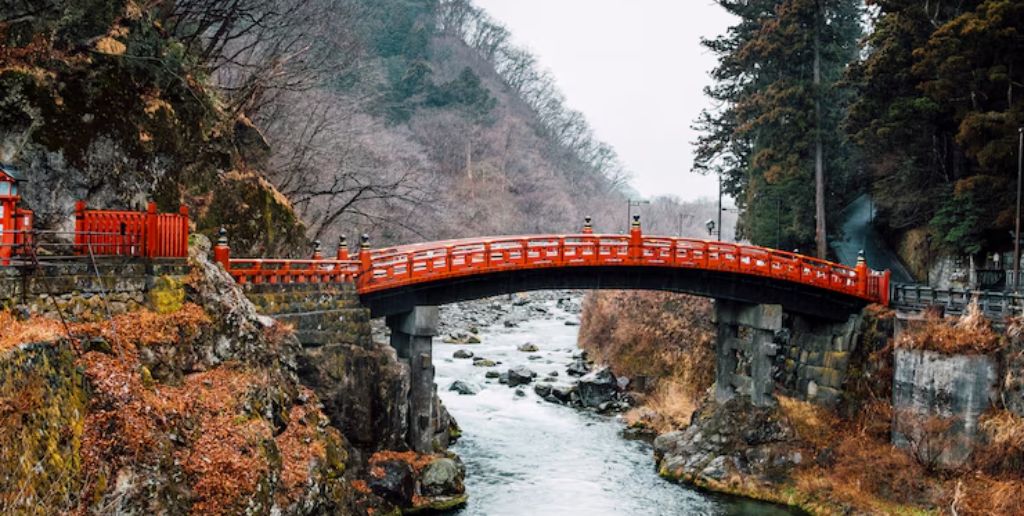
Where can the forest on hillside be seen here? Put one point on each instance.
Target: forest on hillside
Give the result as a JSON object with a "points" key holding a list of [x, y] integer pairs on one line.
{"points": [[287, 122], [914, 101]]}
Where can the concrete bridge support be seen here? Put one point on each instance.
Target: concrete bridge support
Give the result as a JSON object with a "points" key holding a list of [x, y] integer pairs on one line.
{"points": [[411, 336], [746, 350]]}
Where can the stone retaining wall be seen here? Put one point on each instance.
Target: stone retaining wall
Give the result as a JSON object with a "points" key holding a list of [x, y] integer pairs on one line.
{"points": [[815, 359], [320, 314], [87, 292]]}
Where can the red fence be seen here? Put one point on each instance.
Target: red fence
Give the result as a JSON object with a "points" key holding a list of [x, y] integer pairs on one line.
{"points": [[397, 267], [128, 233]]}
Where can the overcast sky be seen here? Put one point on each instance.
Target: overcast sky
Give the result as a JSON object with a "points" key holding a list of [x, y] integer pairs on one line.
{"points": [[636, 69]]}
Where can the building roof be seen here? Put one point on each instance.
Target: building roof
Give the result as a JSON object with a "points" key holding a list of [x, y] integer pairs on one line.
{"points": [[12, 172]]}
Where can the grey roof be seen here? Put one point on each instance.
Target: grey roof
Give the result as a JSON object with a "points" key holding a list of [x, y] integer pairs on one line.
{"points": [[13, 172]]}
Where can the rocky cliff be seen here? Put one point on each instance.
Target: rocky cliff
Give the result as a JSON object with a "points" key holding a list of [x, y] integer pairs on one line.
{"points": [[202, 409]]}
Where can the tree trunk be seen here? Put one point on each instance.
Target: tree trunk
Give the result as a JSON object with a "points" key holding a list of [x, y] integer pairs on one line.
{"points": [[820, 232]]}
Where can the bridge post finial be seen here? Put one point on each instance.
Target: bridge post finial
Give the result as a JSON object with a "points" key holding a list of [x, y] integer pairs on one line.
{"points": [[365, 263], [862, 271], [318, 250], [343, 248], [221, 251], [588, 226]]}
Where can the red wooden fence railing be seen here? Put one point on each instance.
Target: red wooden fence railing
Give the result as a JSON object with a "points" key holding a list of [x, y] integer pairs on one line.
{"points": [[129, 233], [385, 269]]}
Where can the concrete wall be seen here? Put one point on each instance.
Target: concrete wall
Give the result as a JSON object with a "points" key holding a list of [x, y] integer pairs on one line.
{"points": [[937, 400], [84, 292]]}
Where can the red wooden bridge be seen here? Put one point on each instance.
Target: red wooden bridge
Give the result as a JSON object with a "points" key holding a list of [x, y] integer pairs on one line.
{"points": [[452, 270]]}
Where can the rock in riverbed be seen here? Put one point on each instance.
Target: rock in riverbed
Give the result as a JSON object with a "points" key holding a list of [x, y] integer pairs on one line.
{"points": [[464, 388], [520, 375], [462, 354], [528, 348], [598, 387], [484, 362]]}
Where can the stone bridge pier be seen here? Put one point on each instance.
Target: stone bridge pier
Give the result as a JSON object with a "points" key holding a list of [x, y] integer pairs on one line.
{"points": [[762, 350], [412, 336]]}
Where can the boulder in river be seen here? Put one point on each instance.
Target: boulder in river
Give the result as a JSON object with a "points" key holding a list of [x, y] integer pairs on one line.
{"points": [[553, 373], [564, 393], [492, 374], [462, 353], [443, 477], [484, 362], [464, 388], [579, 367], [542, 390], [598, 387], [520, 393], [520, 375], [529, 347]]}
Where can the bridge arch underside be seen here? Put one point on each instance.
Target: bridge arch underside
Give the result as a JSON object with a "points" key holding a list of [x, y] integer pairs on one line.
{"points": [[744, 288]]}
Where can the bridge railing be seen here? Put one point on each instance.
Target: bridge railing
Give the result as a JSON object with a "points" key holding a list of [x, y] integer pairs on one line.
{"points": [[399, 266], [259, 271], [395, 267]]}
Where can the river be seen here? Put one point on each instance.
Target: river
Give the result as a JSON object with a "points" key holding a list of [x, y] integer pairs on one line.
{"points": [[525, 456]]}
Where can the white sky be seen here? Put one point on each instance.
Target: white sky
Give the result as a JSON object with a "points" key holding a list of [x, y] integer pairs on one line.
{"points": [[636, 69]]}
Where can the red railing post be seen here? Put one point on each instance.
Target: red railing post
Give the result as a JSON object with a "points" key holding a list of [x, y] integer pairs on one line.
{"points": [[863, 273], [183, 237], [151, 232], [883, 288], [342, 248], [636, 240], [222, 252], [365, 261], [80, 227], [588, 227]]}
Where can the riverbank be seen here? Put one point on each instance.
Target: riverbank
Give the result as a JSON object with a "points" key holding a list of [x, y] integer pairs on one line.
{"points": [[824, 461]]}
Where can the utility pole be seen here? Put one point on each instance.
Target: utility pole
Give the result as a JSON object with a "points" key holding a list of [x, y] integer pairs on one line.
{"points": [[629, 210], [819, 165], [719, 238], [1016, 229]]}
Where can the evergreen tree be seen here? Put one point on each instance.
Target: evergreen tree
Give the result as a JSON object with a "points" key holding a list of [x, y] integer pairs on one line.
{"points": [[938, 112], [764, 140]]}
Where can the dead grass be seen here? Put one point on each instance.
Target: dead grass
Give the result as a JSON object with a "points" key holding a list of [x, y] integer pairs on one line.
{"points": [[670, 407], [813, 424], [972, 334], [662, 336]]}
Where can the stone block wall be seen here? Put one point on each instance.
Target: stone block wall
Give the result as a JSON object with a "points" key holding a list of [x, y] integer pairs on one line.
{"points": [[815, 357], [763, 351], [87, 292], [321, 314]]}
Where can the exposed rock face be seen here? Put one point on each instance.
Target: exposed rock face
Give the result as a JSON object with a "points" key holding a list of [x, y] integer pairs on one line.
{"points": [[726, 443]]}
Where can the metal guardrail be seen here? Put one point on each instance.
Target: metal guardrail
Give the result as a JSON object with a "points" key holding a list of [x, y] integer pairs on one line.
{"points": [[36, 247], [995, 305]]}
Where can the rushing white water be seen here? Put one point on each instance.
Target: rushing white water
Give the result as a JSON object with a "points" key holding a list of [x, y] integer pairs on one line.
{"points": [[525, 456]]}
